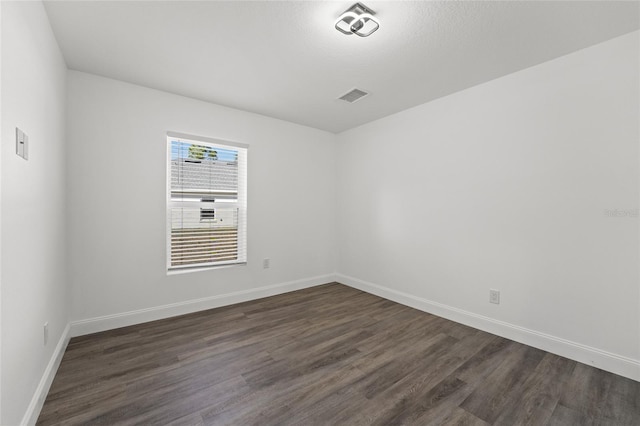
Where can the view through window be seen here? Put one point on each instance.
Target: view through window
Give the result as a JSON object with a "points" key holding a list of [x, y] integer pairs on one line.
{"points": [[206, 205]]}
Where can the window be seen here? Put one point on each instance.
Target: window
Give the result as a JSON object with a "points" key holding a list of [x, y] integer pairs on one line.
{"points": [[206, 202]]}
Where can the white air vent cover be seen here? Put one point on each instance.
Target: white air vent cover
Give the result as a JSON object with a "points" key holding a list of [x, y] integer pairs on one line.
{"points": [[353, 95]]}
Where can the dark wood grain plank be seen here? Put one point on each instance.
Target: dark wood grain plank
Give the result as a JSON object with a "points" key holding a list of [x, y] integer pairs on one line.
{"points": [[540, 393], [564, 416], [602, 397], [460, 417]]}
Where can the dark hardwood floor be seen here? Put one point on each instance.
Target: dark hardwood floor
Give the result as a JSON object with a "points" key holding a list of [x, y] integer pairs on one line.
{"points": [[326, 355]]}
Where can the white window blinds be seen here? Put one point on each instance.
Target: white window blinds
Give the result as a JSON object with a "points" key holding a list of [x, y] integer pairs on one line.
{"points": [[206, 202]]}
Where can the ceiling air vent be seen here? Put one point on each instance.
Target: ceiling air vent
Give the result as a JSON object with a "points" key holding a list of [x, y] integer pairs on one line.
{"points": [[353, 96]]}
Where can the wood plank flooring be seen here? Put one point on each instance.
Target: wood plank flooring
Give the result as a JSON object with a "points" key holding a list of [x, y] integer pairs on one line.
{"points": [[322, 356]]}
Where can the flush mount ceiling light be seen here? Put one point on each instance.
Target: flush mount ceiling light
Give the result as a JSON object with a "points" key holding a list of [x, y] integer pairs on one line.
{"points": [[358, 20]]}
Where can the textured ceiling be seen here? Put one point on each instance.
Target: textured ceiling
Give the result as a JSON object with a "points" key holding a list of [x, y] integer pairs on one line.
{"points": [[285, 59]]}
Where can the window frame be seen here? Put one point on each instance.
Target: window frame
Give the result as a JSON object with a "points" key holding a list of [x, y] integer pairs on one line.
{"points": [[241, 201]]}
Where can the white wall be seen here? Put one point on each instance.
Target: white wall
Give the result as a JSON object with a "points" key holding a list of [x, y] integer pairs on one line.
{"points": [[117, 218], [505, 186], [34, 283]]}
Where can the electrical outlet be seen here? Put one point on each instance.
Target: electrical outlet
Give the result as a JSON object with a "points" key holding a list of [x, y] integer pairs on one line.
{"points": [[494, 296], [266, 263], [46, 333]]}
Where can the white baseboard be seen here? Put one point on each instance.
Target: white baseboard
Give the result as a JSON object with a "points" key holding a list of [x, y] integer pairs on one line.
{"points": [[598, 358], [109, 322], [33, 410]]}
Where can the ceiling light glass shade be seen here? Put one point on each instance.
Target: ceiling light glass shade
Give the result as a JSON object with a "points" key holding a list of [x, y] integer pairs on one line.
{"points": [[343, 24], [365, 25], [358, 20]]}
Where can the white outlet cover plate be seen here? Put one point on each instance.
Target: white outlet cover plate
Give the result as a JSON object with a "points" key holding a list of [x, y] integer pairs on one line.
{"points": [[494, 296]]}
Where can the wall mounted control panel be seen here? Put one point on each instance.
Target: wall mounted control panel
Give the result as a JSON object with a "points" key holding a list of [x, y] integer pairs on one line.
{"points": [[22, 144]]}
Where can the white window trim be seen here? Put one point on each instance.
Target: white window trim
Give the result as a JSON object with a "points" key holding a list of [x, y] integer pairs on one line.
{"points": [[242, 212]]}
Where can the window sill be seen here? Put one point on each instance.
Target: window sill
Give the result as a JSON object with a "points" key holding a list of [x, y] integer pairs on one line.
{"points": [[180, 271]]}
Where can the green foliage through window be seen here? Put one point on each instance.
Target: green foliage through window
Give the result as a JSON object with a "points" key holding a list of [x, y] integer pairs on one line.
{"points": [[199, 152]]}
